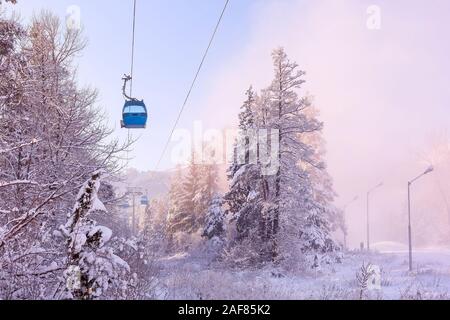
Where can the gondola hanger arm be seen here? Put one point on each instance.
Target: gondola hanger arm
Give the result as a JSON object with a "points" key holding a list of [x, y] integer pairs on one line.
{"points": [[125, 79]]}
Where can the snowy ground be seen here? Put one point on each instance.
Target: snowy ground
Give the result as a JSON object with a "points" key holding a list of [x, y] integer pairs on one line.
{"points": [[190, 277]]}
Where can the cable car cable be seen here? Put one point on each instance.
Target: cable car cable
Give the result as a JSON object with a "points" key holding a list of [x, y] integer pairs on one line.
{"points": [[133, 37], [134, 112], [193, 84], [132, 47]]}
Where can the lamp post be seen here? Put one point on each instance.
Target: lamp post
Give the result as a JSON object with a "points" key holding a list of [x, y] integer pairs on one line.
{"points": [[368, 215], [344, 227], [429, 170]]}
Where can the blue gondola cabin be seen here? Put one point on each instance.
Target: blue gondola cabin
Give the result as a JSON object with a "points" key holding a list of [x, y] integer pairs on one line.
{"points": [[144, 201], [125, 205], [134, 115]]}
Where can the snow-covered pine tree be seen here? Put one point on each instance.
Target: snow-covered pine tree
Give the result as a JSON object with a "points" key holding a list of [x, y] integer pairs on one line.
{"points": [[242, 174], [282, 110], [92, 266], [190, 197], [186, 195], [179, 220], [280, 204], [215, 228], [191, 194], [155, 231], [294, 202], [274, 210], [317, 245], [246, 197], [247, 115], [246, 123], [208, 186]]}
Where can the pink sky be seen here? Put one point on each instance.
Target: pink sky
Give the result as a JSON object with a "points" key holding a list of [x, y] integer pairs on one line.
{"points": [[381, 93]]}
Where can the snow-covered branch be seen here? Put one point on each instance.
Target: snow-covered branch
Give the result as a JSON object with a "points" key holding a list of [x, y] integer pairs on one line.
{"points": [[22, 145], [17, 182], [95, 264]]}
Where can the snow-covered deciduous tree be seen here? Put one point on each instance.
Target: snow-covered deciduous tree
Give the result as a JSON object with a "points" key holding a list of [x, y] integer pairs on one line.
{"points": [[324, 217], [12, 1], [92, 265], [51, 140]]}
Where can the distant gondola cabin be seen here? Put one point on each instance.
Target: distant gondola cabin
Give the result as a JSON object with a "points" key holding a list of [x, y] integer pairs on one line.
{"points": [[144, 201]]}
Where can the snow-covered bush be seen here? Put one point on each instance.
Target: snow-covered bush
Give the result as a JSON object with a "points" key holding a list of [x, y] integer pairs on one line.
{"points": [[142, 282], [243, 254], [186, 242], [317, 245]]}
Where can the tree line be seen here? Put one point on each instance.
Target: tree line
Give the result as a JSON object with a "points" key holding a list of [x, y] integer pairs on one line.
{"points": [[276, 216]]}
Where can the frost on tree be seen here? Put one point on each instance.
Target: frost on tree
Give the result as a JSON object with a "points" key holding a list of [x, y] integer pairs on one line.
{"points": [[244, 196], [274, 212], [215, 225], [190, 196], [52, 136], [181, 216], [208, 188], [92, 265]]}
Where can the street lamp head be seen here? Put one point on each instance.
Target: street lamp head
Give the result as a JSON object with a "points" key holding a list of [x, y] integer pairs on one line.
{"points": [[374, 188], [429, 170]]}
